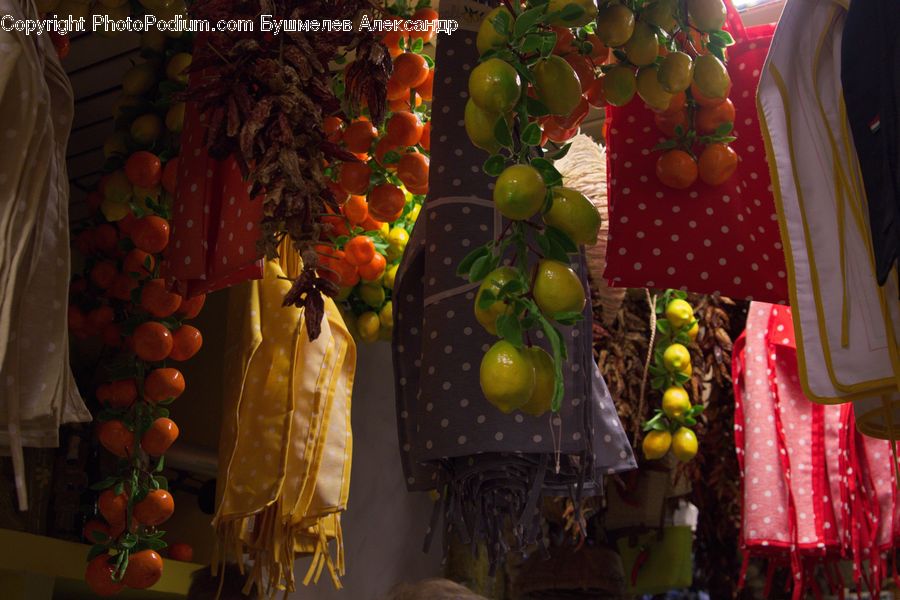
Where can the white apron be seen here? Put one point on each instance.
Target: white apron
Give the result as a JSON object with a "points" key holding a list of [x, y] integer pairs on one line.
{"points": [[847, 326]]}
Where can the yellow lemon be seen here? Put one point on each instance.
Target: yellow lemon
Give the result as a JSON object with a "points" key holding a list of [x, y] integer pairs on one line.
{"points": [[619, 85], [488, 37], [572, 213], [707, 15], [116, 187], [661, 14], [386, 315], [177, 65], [519, 192], [557, 288], [372, 294], [650, 90], [390, 276], [711, 77], [694, 330], [368, 324], [675, 72], [589, 8], [343, 293], [507, 377], [677, 359], [684, 444], [642, 48], [479, 125], [116, 145], [139, 79], [675, 402], [656, 444], [556, 85], [175, 117], [679, 313], [146, 129], [495, 280], [397, 238], [544, 382], [114, 211], [413, 214], [495, 86], [615, 24]]}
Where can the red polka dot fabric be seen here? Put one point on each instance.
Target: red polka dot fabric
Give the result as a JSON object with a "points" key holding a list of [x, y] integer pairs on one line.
{"points": [[813, 487], [215, 224], [704, 239]]}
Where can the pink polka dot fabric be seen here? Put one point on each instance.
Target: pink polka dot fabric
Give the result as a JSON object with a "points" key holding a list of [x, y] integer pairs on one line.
{"points": [[215, 224], [814, 489], [704, 239]]}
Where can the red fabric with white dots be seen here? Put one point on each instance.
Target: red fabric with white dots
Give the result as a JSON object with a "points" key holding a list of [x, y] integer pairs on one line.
{"points": [[703, 239], [215, 224], [813, 487]]}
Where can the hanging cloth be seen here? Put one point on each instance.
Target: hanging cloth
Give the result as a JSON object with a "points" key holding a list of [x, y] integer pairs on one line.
{"points": [[37, 390], [814, 489], [491, 468], [286, 444], [847, 326], [215, 225]]}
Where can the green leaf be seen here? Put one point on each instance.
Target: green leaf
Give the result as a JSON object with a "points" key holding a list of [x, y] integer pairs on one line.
{"points": [[494, 165], [160, 465], [128, 540], [512, 287], [722, 36], [551, 249], [690, 421], [481, 267], [717, 51], [465, 265], [531, 135], [502, 132], [120, 487], [683, 338], [535, 107], [567, 317], [96, 550], [510, 329], [528, 19], [571, 12], [99, 537], [391, 157], [548, 172], [162, 481], [658, 383], [104, 484], [724, 128], [486, 298], [429, 61], [682, 378], [561, 152], [663, 326], [666, 145], [418, 45], [548, 43], [660, 426], [501, 22], [558, 352], [557, 236], [533, 43]]}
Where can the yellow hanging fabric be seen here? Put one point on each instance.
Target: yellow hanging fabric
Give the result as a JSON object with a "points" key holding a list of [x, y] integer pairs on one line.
{"points": [[284, 469]]}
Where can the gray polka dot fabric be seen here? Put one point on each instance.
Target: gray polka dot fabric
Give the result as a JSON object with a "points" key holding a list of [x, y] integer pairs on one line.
{"points": [[451, 436]]}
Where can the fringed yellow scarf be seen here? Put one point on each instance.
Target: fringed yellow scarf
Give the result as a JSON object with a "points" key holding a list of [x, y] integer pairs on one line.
{"points": [[284, 456]]}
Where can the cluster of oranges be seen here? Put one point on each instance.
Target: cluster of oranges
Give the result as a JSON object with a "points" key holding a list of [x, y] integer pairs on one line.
{"points": [[670, 427], [672, 57], [123, 299], [380, 193]]}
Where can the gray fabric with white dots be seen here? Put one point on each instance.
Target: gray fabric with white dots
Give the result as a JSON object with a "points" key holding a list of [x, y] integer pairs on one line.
{"points": [[449, 433]]}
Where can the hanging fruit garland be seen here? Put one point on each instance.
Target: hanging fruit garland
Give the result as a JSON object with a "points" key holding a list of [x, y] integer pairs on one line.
{"points": [[538, 291], [267, 98], [671, 53], [670, 369], [123, 299], [380, 193]]}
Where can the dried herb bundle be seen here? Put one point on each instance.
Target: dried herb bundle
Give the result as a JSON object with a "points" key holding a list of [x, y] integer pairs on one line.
{"points": [[266, 97]]}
